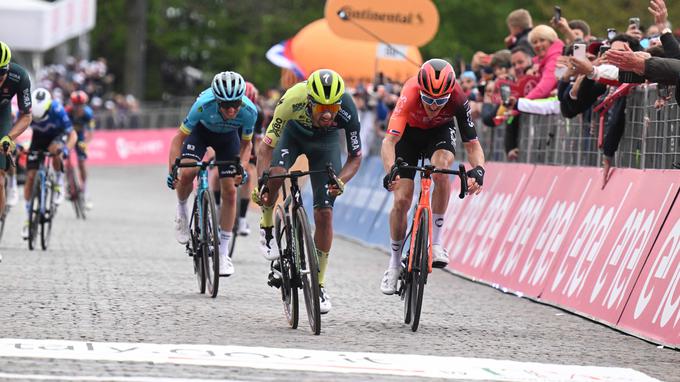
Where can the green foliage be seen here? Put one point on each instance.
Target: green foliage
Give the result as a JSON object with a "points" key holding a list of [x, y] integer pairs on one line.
{"points": [[216, 35]]}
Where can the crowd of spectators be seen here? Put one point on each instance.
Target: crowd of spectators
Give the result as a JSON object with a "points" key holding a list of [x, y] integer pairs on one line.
{"points": [[94, 79], [577, 74]]}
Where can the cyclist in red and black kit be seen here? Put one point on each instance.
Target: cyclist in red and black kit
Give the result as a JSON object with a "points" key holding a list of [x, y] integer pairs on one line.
{"points": [[423, 124]]}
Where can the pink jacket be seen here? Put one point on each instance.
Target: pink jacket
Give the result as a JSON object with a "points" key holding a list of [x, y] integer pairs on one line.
{"points": [[546, 69]]}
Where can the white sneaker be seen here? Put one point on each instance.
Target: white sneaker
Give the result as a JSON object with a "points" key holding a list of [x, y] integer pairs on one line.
{"points": [[226, 266], [88, 203], [182, 229], [243, 228], [13, 196], [388, 285], [440, 258], [59, 190], [268, 245], [24, 231], [324, 301]]}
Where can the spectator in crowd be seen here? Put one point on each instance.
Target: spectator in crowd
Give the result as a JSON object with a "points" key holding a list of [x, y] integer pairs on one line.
{"points": [[574, 30], [590, 90], [519, 24], [548, 48], [521, 61], [468, 82]]}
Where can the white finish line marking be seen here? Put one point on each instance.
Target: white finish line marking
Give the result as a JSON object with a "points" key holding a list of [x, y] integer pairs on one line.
{"points": [[318, 361], [71, 378]]}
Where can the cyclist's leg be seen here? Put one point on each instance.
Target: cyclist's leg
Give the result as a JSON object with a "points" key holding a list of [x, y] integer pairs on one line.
{"points": [[244, 195], [82, 161], [38, 144], [193, 149], [442, 154]]}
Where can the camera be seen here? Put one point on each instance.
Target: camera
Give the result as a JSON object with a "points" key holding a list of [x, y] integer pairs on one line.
{"points": [[611, 33], [558, 13], [505, 94]]}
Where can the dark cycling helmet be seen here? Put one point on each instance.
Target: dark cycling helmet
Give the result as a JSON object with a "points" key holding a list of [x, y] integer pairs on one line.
{"points": [[436, 78], [251, 92], [228, 86], [325, 86], [79, 97], [5, 54]]}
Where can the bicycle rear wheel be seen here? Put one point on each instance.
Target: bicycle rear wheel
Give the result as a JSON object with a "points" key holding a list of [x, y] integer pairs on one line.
{"points": [[50, 212], [5, 211], [420, 267], [289, 291], [34, 214], [211, 245], [309, 268], [195, 248]]}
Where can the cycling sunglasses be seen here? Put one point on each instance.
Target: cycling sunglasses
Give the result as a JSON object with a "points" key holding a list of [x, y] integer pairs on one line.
{"points": [[319, 108], [439, 101], [4, 70], [230, 104]]}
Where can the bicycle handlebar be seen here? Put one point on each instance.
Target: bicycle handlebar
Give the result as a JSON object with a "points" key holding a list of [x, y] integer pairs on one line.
{"points": [[205, 164], [428, 170], [332, 178]]}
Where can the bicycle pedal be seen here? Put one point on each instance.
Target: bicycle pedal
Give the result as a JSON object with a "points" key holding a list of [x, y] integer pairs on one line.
{"points": [[273, 280]]}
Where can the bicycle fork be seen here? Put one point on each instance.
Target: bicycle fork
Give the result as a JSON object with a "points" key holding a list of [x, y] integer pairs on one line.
{"points": [[423, 204]]}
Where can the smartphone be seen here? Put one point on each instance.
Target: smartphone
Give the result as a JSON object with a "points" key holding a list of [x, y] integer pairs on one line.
{"points": [[558, 13], [505, 94], [611, 33], [580, 51], [635, 21]]}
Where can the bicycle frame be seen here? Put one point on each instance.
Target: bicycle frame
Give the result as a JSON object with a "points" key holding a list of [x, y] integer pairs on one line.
{"points": [[423, 204], [41, 177]]}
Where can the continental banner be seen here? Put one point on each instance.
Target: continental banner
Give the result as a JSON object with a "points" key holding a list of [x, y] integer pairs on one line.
{"points": [[407, 22]]}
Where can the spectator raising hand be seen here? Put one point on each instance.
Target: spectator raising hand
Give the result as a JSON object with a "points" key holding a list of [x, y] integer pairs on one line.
{"points": [[627, 60], [658, 9]]}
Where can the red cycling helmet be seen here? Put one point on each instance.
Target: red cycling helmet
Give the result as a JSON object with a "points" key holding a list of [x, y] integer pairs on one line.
{"points": [[436, 78], [251, 91], [79, 97]]}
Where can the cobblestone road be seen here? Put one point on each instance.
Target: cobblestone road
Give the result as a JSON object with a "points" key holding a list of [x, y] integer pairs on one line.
{"points": [[121, 277]]}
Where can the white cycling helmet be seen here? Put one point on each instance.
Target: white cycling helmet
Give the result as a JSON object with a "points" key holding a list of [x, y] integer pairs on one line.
{"points": [[228, 86], [41, 100]]}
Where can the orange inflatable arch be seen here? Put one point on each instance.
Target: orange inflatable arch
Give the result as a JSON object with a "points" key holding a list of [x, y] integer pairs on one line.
{"points": [[316, 46]]}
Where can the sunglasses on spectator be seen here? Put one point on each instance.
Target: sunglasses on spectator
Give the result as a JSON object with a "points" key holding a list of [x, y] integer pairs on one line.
{"points": [[230, 104], [4, 70], [438, 101], [319, 108]]}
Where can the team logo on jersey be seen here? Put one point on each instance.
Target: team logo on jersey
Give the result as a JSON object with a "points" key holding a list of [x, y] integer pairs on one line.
{"points": [[354, 138], [299, 106], [345, 115]]}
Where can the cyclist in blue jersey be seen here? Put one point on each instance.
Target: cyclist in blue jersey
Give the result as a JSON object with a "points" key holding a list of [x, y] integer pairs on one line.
{"points": [[52, 132], [214, 121], [82, 117]]}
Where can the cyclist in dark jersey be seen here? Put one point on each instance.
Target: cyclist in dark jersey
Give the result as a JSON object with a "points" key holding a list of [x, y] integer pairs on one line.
{"points": [[13, 81], [82, 117], [423, 123]]}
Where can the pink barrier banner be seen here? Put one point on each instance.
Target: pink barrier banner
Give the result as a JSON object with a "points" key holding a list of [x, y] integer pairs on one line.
{"points": [[653, 308], [605, 250], [127, 147], [473, 225]]}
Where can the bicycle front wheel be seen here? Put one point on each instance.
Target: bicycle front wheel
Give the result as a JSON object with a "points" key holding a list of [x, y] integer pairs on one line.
{"points": [[211, 244], [48, 216], [309, 268], [196, 249], [289, 292], [420, 267], [34, 214]]}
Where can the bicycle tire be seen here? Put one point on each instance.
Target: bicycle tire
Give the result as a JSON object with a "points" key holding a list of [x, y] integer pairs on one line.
{"points": [[407, 283], [72, 190], [48, 216], [5, 211], [211, 245], [195, 248], [309, 269], [421, 268], [289, 291], [34, 214]]}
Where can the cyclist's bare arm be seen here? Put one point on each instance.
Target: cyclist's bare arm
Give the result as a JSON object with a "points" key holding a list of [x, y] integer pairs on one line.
{"points": [[264, 158], [72, 138], [21, 125], [176, 147], [350, 168], [244, 153]]}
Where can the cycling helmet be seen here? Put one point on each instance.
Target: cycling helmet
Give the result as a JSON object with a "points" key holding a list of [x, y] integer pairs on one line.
{"points": [[436, 78], [325, 86], [79, 97], [5, 54], [251, 91], [228, 86], [41, 101]]}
